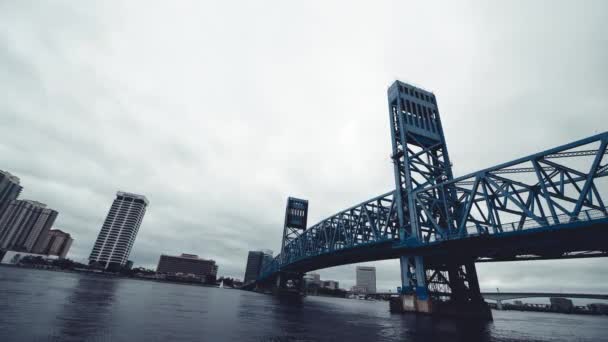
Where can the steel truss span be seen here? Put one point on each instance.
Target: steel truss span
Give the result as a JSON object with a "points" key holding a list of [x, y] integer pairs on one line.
{"points": [[544, 206]]}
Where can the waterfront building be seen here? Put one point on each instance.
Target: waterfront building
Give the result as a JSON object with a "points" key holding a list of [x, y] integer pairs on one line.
{"points": [[560, 304], [119, 230], [14, 257], [312, 279], [598, 308], [256, 260], [186, 264], [57, 242], [24, 226], [10, 189], [366, 277], [330, 284], [358, 289], [266, 258]]}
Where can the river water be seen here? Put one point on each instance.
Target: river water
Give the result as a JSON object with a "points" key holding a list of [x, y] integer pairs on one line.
{"points": [[38, 305]]}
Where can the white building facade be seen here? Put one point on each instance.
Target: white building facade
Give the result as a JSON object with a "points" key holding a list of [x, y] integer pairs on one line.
{"points": [[119, 230]]}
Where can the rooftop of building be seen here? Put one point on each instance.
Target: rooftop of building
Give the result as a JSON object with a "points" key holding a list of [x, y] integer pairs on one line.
{"points": [[32, 202], [366, 268], [132, 195], [57, 230], [410, 85], [187, 256], [10, 176]]}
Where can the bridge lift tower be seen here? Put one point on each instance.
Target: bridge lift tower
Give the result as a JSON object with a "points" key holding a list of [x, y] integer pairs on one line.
{"points": [[421, 160]]}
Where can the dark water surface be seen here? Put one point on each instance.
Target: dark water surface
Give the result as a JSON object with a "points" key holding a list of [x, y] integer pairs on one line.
{"points": [[54, 306]]}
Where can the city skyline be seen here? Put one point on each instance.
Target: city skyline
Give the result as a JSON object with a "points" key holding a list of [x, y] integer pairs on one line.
{"points": [[311, 121]]}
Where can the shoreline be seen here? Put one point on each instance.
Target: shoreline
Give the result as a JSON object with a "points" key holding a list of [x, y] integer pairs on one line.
{"points": [[113, 275]]}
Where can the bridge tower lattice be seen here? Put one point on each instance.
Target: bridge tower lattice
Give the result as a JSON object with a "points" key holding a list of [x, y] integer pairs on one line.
{"points": [[421, 160]]}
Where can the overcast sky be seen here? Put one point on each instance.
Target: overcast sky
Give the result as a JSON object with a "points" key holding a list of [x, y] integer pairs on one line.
{"points": [[218, 111]]}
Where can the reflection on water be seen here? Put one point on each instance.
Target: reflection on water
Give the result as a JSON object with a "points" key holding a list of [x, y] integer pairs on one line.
{"points": [[87, 311], [76, 307]]}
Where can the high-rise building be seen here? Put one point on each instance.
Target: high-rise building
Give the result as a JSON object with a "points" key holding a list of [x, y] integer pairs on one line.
{"points": [[266, 258], [256, 260], [118, 232], [254, 264], [24, 226], [57, 242], [9, 189], [366, 278], [186, 264]]}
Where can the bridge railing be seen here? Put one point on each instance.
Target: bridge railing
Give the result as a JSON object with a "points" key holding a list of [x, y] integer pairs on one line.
{"points": [[585, 215]]}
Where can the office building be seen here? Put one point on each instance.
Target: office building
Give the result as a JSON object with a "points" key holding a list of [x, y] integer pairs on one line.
{"points": [[9, 189], [186, 264], [24, 226], [254, 265], [312, 279], [330, 284], [358, 289], [57, 242], [366, 278], [256, 260], [118, 232], [560, 304], [266, 258]]}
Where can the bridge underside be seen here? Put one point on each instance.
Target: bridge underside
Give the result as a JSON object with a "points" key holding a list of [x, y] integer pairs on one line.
{"points": [[573, 240]]}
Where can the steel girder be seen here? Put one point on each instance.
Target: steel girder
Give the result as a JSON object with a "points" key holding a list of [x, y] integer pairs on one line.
{"points": [[557, 186], [367, 223], [493, 201], [375, 220]]}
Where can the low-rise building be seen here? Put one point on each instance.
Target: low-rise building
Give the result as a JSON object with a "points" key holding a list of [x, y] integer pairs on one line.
{"points": [[312, 279], [330, 284], [187, 265], [14, 257], [358, 289], [560, 304]]}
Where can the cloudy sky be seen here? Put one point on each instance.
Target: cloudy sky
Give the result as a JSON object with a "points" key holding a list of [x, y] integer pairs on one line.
{"points": [[217, 111]]}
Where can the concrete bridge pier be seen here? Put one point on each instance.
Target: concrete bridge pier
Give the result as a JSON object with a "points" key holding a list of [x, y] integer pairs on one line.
{"points": [[451, 289], [289, 284]]}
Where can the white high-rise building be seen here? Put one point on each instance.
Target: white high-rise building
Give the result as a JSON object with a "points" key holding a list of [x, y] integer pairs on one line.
{"points": [[117, 235], [366, 278]]}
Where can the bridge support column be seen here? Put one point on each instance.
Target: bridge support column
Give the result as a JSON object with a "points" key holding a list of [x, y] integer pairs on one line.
{"points": [[451, 289], [289, 283], [414, 294]]}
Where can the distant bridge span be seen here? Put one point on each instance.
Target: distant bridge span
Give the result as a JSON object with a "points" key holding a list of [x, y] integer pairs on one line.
{"points": [[548, 205], [498, 296]]}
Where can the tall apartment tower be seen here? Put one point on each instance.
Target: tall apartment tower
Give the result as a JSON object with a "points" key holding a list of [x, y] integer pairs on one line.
{"points": [[117, 235], [9, 189], [24, 226], [366, 278]]}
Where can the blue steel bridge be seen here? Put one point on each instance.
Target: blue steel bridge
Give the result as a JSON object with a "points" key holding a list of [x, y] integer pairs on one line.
{"points": [[549, 205]]}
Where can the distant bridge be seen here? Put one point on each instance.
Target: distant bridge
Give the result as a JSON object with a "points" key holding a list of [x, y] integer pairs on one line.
{"points": [[498, 296], [549, 205]]}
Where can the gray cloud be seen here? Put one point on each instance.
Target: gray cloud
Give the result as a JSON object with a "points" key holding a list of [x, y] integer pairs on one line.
{"points": [[218, 113]]}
